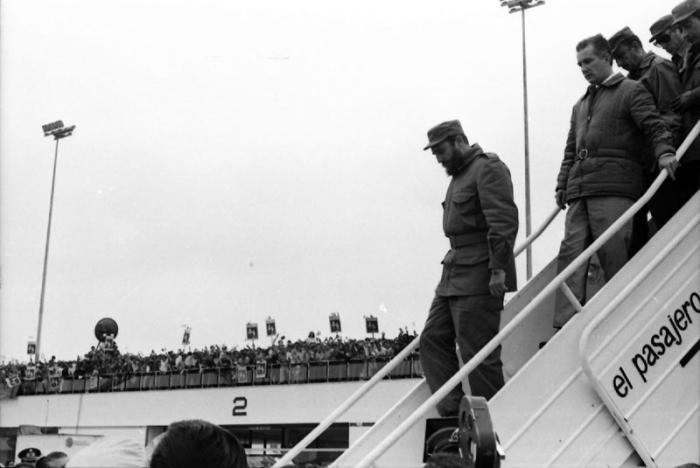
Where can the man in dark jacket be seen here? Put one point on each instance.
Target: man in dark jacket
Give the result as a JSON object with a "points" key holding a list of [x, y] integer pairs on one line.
{"points": [[601, 173], [660, 77], [481, 221], [687, 17]]}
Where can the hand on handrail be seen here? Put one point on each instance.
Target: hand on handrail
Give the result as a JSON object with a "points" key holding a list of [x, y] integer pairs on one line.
{"points": [[669, 162]]}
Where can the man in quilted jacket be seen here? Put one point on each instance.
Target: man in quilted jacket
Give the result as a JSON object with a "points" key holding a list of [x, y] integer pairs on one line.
{"points": [[601, 173]]}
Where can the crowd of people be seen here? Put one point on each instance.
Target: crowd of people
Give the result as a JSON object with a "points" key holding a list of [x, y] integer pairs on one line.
{"points": [[101, 360]]}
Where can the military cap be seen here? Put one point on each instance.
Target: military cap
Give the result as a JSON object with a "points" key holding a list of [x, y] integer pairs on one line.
{"points": [[442, 131], [660, 26], [617, 39], [684, 10], [29, 454]]}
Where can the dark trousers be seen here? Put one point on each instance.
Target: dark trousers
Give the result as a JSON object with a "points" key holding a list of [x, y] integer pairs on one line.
{"points": [[586, 220], [670, 197], [640, 226], [687, 181], [673, 194], [471, 322]]}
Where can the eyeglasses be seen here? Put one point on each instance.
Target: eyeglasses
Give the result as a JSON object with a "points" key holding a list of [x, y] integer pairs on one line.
{"points": [[662, 38]]}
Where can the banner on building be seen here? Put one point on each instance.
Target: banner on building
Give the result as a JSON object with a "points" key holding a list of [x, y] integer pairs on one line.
{"points": [[334, 320], [242, 374], [186, 336], [92, 382], [54, 382], [372, 324], [260, 370], [270, 327], [30, 372], [251, 331]]}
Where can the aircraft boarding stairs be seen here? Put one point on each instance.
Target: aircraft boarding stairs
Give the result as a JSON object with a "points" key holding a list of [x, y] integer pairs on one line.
{"points": [[618, 386]]}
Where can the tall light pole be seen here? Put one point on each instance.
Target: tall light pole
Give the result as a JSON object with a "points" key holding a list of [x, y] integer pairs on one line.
{"points": [[513, 7], [58, 131]]}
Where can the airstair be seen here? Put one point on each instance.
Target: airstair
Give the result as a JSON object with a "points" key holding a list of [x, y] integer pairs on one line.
{"points": [[618, 386]]}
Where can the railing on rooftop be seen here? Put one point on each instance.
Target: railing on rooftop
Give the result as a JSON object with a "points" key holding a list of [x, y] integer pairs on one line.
{"points": [[270, 374]]}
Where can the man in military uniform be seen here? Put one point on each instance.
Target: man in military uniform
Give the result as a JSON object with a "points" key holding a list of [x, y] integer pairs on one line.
{"points": [[669, 37], [481, 221], [660, 77]]}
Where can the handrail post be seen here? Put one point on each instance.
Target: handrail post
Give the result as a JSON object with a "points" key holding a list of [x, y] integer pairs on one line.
{"points": [[569, 294]]}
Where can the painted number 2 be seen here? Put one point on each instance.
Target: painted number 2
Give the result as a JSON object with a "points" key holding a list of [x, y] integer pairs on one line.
{"points": [[239, 405]]}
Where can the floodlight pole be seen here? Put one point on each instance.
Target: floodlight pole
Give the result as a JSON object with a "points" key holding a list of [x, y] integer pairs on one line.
{"points": [[57, 134], [514, 6]]}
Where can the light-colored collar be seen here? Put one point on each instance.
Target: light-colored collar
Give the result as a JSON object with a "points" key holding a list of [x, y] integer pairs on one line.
{"points": [[607, 79]]}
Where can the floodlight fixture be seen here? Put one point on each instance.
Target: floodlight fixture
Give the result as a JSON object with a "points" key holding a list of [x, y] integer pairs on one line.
{"points": [[520, 5], [57, 130]]}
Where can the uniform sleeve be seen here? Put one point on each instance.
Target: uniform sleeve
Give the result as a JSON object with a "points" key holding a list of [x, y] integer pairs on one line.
{"points": [[569, 153], [496, 198], [646, 117], [694, 96], [663, 83]]}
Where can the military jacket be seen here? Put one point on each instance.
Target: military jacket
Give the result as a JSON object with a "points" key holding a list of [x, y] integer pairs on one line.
{"points": [[690, 79], [480, 219], [661, 78]]}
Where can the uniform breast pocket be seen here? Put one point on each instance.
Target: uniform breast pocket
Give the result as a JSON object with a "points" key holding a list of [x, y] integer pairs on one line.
{"points": [[466, 202], [466, 207]]}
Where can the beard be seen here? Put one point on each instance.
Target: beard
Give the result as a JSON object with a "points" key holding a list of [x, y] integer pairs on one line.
{"points": [[454, 166]]}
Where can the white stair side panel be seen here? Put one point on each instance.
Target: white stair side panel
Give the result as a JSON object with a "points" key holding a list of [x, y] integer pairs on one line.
{"points": [[524, 341], [550, 402], [675, 453], [656, 398], [614, 447], [408, 449]]}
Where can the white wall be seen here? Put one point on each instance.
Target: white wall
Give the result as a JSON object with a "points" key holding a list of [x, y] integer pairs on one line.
{"points": [[274, 404]]}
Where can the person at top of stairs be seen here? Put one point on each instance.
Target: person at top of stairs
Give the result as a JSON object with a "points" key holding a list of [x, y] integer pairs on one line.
{"points": [[481, 220]]}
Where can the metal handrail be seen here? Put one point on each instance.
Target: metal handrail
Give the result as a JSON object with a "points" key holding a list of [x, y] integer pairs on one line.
{"points": [[527, 242], [360, 392], [524, 313]]}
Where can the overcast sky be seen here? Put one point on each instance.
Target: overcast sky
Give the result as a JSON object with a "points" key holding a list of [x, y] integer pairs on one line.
{"points": [[239, 160]]}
